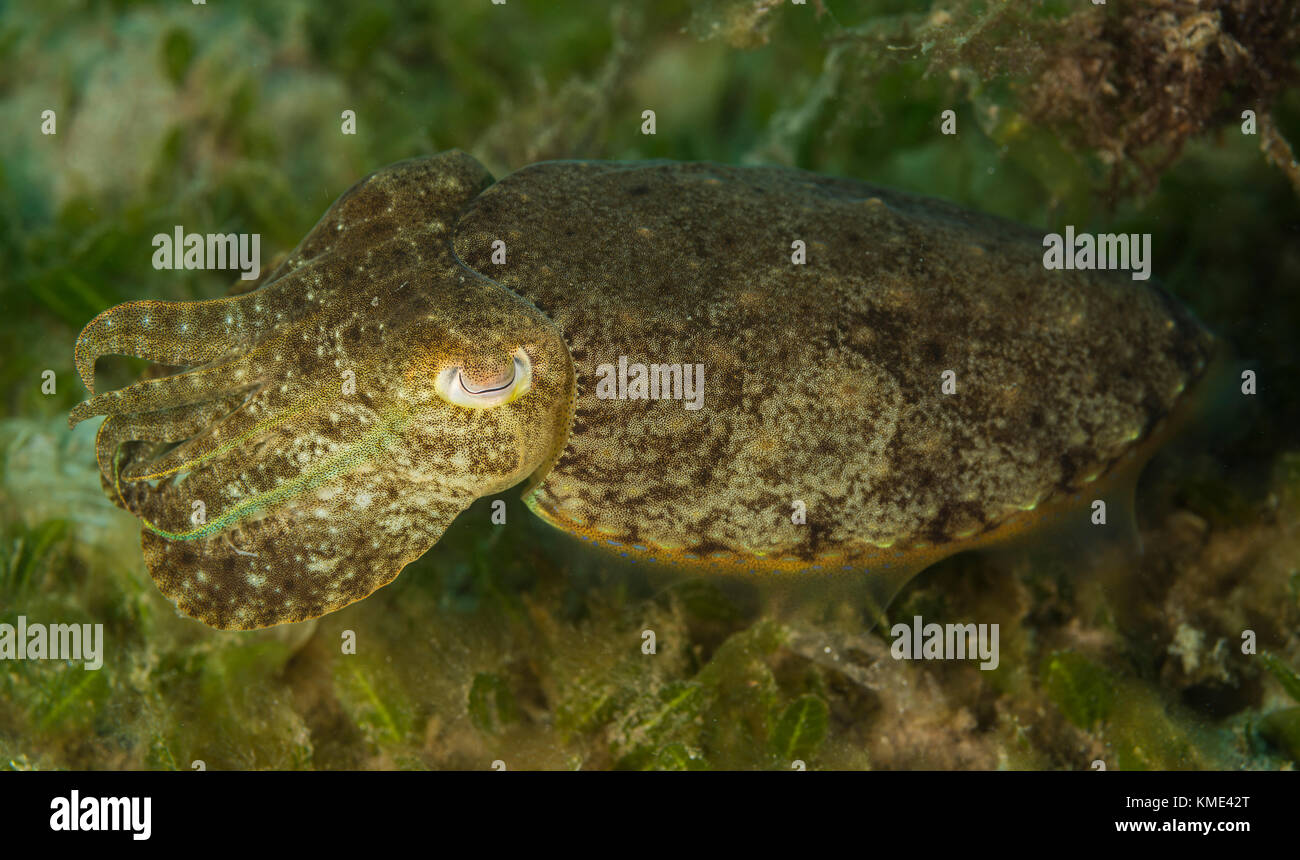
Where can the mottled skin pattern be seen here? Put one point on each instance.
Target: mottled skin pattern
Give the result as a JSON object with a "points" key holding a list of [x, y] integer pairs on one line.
{"points": [[822, 381], [316, 494]]}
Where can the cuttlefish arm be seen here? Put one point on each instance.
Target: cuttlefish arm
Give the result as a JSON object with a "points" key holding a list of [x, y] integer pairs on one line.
{"points": [[326, 428]]}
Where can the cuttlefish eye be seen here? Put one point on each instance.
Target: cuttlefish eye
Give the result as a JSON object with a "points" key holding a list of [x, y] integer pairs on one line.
{"points": [[455, 386]]}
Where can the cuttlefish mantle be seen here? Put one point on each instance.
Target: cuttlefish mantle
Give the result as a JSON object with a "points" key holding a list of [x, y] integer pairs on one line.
{"points": [[438, 337]]}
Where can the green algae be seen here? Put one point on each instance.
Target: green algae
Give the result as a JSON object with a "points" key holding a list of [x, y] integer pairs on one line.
{"points": [[375, 701], [491, 703], [1282, 730], [801, 729], [1286, 677], [1083, 691], [679, 757], [176, 54]]}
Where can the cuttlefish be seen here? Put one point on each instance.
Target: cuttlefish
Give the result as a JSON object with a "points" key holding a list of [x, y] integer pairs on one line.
{"points": [[880, 380]]}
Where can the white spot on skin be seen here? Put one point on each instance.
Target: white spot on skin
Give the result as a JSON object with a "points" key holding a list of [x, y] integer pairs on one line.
{"points": [[323, 565]]}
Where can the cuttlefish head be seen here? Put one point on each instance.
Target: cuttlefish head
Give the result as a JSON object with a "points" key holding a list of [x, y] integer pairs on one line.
{"points": [[491, 382], [325, 428]]}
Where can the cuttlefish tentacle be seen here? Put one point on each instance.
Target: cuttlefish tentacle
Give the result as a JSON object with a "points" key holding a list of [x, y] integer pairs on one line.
{"points": [[194, 333], [180, 334], [180, 389], [119, 460], [235, 431]]}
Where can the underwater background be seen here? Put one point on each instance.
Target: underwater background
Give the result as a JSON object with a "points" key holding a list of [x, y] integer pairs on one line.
{"points": [[518, 645]]}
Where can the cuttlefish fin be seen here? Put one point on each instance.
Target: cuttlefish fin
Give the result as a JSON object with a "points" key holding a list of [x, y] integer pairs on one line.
{"points": [[307, 555]]}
